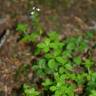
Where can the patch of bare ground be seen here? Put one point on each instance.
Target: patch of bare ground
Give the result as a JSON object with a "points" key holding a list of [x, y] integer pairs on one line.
{"points": [[77, 19]]}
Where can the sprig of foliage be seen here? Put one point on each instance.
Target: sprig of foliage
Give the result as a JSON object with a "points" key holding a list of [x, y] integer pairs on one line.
{"points": [[37, 27], [22, 27], [29, 91]]}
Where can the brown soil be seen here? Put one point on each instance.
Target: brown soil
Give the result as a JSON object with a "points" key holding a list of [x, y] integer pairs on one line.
{"points": [[76, 19]]}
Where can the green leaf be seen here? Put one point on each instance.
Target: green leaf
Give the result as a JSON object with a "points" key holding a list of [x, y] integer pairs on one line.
{"points": [[47, 82], [88, 63], [67, 54], [53, 35], [37, 51], [46, 49], [68, 66], [48, 56], [47, 41], [34, 36], [71, 46], [22, 27], [53, 88], [53, 45], [61, 60], [90, 34], [61, 70], [42, 63], [56, 52], [83, 45], [30, 91], [52, 64], [56, 45], [40, 72], [41, 45], [77, 60], [44, 45], [26, 38]]}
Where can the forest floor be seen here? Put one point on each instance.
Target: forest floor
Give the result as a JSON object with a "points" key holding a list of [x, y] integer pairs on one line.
{"points": [[77, 19]]}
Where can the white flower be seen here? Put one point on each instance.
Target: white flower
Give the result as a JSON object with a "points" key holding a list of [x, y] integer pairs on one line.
{"points": [[38, 9], [32, 12], [34, 8]]}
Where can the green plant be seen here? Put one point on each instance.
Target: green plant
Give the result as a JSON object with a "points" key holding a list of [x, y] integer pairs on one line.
{"points": [[57, 66], [93, 93], [62, 65], [91, 82], [29, 91], [22, 27], [37, 28], [60, 61]]}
